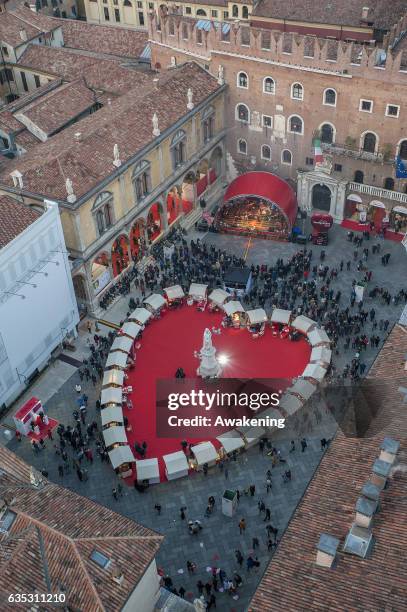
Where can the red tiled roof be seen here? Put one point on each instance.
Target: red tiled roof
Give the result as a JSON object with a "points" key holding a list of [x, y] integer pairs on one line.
{"points": [[338, 12], [14, 219], [54, 110], [292, 581], [125, 122], [70, 528], [11, 30]]}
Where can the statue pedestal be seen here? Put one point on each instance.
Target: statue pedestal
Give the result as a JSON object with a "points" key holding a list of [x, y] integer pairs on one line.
{"points": [[209, 366]]}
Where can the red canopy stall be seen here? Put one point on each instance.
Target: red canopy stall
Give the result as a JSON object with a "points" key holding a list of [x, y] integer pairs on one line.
{"points": [[258, 204]]}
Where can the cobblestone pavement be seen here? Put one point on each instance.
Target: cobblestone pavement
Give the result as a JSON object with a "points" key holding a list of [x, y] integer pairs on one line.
{"points": [[217, 542]]}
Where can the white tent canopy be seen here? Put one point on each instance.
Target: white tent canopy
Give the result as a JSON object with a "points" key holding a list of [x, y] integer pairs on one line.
{"points": [[231, 307], [280, 316], [140, 315], [303, 324], [219, 296], [147, 469], [303, 388], [317, 336], [321, 354], [122, 343], [252, 434], [231, 441], [114, 435], [400, 209], [205, 452], [155, 301], [112, 414], [258, 315], [120, 455], [131, 329], [377, 204], [174, 293], [118, 359], [197, 291], [314, 370], [176, 465], [113, 377], [353, 197], [112, 395], [290, 403]]}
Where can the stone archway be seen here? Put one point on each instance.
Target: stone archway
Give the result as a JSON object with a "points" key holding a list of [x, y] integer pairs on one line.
{"points": [[215, 164], [79, 285], [155, 221], [120, 254], [174, 204], [137, 239], [100, 272], [321, 197]]}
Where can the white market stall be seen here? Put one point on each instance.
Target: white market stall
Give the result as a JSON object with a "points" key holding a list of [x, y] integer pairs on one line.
{"points": [[232, 307], [112, 414], [290, 403], [111, 395], [218, 297], [318, 336], [155, 302], [140, 316], [280, 316], [197, 292], [315, 371], [252, 434], [176, 465], [303, 324], [131, 329], [256, 316], [117, 359], [303, 388], [122, 343], [113, 378], [147, 470], [205, 452], [175, 292], [321, 355], [121, 459], [114, 435], [231, 441]]}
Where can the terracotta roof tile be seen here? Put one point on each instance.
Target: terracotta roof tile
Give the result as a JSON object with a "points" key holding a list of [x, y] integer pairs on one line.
{"points": [[14, 219], [292, 581]]}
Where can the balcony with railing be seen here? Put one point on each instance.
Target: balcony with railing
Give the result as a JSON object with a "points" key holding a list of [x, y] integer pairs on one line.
{"points": [[378, 192], [353, 152]]}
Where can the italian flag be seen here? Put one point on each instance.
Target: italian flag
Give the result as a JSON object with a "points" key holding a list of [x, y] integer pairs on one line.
{"points": [[318, 157]]}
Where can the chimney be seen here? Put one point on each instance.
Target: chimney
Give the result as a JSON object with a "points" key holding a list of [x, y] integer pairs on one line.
{"points": [[358, 541], [77, 136], [365, 509], [117, 576], [326, 550], [371, 491], [23, 34], [365, 12], [381, 470], [388, 450], [17, 179]]}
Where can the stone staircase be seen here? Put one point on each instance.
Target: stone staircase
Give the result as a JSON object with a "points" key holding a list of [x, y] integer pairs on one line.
{"points": [[189, 220], [143, 264]]}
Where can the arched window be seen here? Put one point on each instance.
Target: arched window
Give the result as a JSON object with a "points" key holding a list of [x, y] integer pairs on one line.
{"points": [[359, 176], [269, 85], [403, 149], [242, 80], [126, 3], [235, 11], [295, 125], [242, 113], [286, 157], [297, 91], [185, 31], [369, 142], [103, 211], [208, 123], [330, 97], [245, 12], [242, 146], [327, 133], [388, 183], [201, 13], [141, 178], [178, 149], [266, 152], [171, 28]]}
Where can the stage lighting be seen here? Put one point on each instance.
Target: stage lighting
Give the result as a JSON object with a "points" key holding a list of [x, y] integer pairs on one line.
{"points": [[223, 359]]}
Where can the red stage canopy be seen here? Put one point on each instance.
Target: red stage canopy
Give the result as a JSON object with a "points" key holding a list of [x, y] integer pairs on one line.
{"points": [[268, 187]]}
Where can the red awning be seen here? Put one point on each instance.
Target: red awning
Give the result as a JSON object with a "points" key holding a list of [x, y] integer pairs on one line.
{"points": [[268, 187]]}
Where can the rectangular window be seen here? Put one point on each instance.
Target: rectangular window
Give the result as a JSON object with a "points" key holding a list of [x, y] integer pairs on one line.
{"points": [[100, 559], [139, 5], [225, 14], [116, 2], [151, 6], [37, 80], [225, 35], [245, 36], [106, 13], [141, 19], [267, 121], [199, 37], [338, 167], [8, 73], [117, 15], [309, 161], [5, 51], [188, 10], [366, 106], [392, 110], [214, 13], [24, 81], [265, 40], [184, 31]]}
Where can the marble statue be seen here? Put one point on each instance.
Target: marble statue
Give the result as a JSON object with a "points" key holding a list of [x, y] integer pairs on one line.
{"points": [[116, 161], [156, 130], [69, 190], [221, 78], [190, 104], [209, 366]]}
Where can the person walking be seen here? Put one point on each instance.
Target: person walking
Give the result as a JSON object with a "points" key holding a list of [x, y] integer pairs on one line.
{"points": [[255, 543], [239, 557], [200, 586], [303, 445], [242, 525], [267, 516]]}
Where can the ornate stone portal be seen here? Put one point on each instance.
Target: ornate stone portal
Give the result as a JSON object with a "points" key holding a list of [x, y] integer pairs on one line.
{"points": [[209, 367]]}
